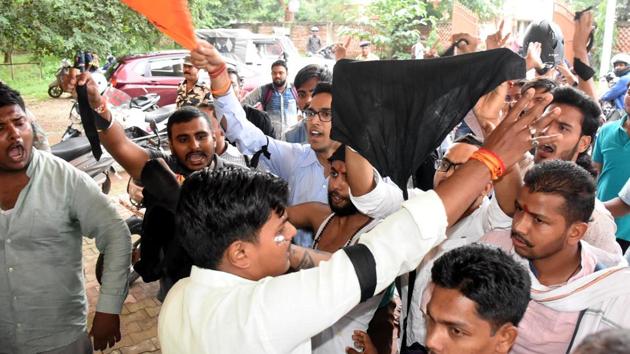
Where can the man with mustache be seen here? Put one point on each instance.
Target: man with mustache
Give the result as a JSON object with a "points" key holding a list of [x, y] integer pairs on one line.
{"points": [[277, 98], [304, 167], [192, 143], [191, 92], [46, 205], [577, 289], [340, 224]]}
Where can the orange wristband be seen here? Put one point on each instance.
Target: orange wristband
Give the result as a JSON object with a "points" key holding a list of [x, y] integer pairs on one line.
{"points": [[496, 157], [223, 90], [491, 160], [219, 71]]}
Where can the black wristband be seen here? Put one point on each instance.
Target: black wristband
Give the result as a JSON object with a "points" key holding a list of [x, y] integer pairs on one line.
{"points": [[101, 123], [582, 70]]}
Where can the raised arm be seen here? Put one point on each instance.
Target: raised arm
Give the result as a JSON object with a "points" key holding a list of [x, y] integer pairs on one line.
{"points": [[129, 155], [248, 138], [620, 206], [308, 215], [583, 28]]}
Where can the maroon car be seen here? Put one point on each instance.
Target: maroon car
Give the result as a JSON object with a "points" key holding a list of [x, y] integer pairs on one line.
{"points": [[161, 73]]}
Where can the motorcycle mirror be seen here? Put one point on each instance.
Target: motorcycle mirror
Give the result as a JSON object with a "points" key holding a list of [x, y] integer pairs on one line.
{"points": [[153, 126]]}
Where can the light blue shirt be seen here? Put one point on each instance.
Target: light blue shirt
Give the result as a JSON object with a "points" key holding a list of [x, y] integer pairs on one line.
{"points": [[42, 294], [295, 163]]}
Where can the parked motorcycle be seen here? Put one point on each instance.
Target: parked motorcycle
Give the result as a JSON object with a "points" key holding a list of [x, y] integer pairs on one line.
{"points": [[139, 116], [77, 152], [55, 88], [61, 82]]}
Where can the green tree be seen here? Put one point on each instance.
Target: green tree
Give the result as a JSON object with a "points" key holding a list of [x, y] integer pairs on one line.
{"points": [[337, 11], [485, 10], [60, 27], [393, 26]]}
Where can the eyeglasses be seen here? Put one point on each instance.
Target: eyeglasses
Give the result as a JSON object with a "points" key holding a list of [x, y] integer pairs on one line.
{"points": [[445, 165], [325, 115]]}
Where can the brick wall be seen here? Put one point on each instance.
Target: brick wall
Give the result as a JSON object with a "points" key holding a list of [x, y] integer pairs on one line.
{"points": [[622, 40]]}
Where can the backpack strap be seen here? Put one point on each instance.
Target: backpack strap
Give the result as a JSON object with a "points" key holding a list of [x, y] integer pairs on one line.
{"points": [[267, 92]]}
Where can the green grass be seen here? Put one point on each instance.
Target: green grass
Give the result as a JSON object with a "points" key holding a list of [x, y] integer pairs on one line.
{"points": [[27, 78]]}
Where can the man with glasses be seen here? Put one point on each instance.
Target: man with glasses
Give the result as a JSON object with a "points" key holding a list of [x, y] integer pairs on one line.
{"points": [[304, 166]]}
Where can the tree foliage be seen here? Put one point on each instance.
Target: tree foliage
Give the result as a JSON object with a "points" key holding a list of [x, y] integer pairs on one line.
{"points": [[60, 27], [393, 25], [485, 10]]}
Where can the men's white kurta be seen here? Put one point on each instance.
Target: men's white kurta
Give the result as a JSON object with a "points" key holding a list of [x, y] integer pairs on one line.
{"points": [[220, 313]]}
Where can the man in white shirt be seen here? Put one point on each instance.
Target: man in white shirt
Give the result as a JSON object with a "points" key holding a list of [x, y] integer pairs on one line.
{"points": [[233, 225]]}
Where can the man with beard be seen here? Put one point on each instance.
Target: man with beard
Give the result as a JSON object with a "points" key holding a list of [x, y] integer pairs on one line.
{"points": [[277, 98], [46, 205], [192, 144], [577, 289], [610, 157], [191, 92], [576, 126], [340, 224], [304, 167]]}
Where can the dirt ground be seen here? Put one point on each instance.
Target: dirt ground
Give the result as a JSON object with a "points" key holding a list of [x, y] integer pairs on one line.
{"points": [[140, 311]]}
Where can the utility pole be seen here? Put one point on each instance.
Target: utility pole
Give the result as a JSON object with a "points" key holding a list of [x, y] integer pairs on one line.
{"points": [[608, 36]]}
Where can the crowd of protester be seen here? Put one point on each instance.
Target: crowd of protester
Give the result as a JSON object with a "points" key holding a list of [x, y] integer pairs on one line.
{"points": [[269, 236]]}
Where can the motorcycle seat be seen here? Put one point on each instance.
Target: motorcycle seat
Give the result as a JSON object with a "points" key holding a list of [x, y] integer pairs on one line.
{"points": [[159, 114], [145, 101], [71, 148]]}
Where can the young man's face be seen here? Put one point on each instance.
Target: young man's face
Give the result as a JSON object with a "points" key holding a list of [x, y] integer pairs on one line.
{"points": [[193, 143], [338, 190], [271, 257], [305, 93], [279, 75], [318, 132], [236, 85], [16, 139], [455, 327], [539, 227], [571, 141]]}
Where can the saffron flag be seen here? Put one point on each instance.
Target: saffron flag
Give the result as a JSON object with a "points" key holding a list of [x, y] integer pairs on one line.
{"points": [[171, 17]]}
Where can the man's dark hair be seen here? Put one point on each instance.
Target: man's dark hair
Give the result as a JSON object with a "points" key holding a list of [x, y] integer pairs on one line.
{"points": [[568, 180], [611, 341], [239, 79], [184, 115], [280, 62], [218, 207], [10, 97], [590, 122], [539, 83], [586, 105], [322, 74], [498, 285], [322, 87]]}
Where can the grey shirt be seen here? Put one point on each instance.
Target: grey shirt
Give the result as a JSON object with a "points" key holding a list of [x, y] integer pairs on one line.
{"points": [[42, 297]]}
